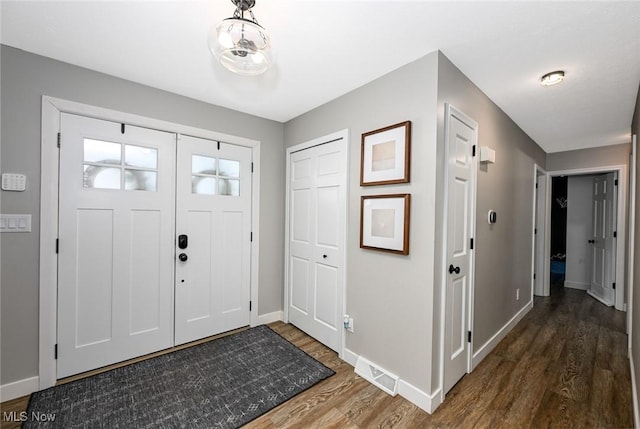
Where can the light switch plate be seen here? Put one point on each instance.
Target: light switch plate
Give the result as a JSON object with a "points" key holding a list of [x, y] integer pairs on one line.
{"points": [[15, 223], [14, 182]]}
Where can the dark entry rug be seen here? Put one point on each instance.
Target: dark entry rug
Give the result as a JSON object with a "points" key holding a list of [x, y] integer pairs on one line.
{"points": [[224, 383]]}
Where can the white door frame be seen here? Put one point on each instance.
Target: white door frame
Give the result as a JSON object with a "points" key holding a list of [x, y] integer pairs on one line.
{"points": [[51, 110], [449, 111], [339, 135], [633, 167], [540, 244], [620, 224]]}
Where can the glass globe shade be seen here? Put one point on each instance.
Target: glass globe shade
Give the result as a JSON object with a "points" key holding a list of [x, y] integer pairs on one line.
{"points": [[241, 46]]}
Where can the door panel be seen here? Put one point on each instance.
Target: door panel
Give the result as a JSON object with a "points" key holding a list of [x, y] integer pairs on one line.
{"points": [[115, 263], [214, 211], [317, 216], [603, 242], [460, 206]]}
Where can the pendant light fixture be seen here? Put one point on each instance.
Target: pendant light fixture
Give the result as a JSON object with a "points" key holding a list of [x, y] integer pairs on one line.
{"points": [[241, 44]]}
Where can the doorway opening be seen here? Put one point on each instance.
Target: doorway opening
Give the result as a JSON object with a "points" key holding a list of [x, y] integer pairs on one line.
{"points": [[585, 240]]}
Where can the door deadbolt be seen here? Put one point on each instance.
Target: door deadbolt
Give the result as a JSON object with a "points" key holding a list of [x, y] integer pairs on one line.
{"points": [[183, 241]]}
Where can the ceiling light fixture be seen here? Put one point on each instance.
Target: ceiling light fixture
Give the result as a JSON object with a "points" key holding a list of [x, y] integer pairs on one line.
{"points": [[552, 78], [241, 44]]}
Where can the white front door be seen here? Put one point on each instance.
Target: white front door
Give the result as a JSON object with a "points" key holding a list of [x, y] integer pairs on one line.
{"points": [[317, 217], [603, 240], [115, 275], [213, 256], [461, 167]]}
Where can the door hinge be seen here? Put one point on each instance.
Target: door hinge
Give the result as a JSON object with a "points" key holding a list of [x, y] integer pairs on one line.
{"points": [[468, 336], [473, 150], [252, 167], [55, 351], [59, 139], [534, 276], [218, 145], [251, 236], [615, 182], [121, 128], [250, 305], [535, 230], [471, 245], [536, 185], [614, 286], [57, 245], [615, 234]]}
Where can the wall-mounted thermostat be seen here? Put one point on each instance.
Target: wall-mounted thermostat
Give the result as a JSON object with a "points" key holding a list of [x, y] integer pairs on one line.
{"points": [[14, 182], [492, 217]]}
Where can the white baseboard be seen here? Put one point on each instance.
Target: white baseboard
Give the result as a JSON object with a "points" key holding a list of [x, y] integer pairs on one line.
{"points": [[634, 392], [426, 402], [276, 316], [493, 341], [596, 297], [19, 388], [576, 285], [349, 357]]}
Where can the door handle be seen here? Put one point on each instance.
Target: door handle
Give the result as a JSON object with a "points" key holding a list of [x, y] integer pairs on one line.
{"points": [[183, 257], [591, 241], [453, 269]]}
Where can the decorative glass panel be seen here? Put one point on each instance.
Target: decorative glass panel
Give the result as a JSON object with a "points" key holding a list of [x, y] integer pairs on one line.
{"points": [[139, 156], [229, 168], [203, 185], [96, 176], [203, 165], [102, 152], [230, 187], [140, 180]]}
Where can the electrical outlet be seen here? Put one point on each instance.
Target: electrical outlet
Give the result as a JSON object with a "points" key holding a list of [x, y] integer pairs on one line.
{"points": [[517, 294]]}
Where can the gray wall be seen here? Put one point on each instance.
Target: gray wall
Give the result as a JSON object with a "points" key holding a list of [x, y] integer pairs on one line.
{"points": [[503, 250], [389, 296], [635, 322], [25, 78], [589, 158], [395, 299]]}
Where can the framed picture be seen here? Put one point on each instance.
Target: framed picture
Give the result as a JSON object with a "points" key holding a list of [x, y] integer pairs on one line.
{"points": [[384, 222], [386, 155]]}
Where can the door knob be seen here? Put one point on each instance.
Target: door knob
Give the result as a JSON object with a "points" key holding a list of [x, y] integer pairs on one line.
{"points": [[183, 257], [453, 269], [324, 256], [591, 241]]}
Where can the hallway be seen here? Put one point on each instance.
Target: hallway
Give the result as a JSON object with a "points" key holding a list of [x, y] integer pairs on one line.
{"points": [[564, 365]]}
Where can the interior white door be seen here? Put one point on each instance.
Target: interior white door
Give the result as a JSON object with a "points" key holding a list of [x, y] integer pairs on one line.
{"points": [[115, 262], [460, 208], [603, 241], [213, 211], [317, 215]]}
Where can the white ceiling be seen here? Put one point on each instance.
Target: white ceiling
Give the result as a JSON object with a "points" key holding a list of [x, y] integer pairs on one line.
{"points": [[326, 48]]}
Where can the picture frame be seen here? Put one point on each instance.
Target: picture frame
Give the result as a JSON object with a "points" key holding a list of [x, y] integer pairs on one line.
{"points": [[384, 222], [385, 156]]}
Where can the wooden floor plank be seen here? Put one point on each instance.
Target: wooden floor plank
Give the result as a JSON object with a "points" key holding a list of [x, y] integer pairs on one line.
{"points": [[564, 365]]}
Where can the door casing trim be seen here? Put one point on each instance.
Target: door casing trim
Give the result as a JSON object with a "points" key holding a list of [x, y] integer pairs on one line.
{"points": [[339, 135], [49, 164]]}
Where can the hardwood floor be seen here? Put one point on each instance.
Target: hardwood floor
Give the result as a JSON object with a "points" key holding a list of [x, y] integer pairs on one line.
{"points": [[564, 365]]}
